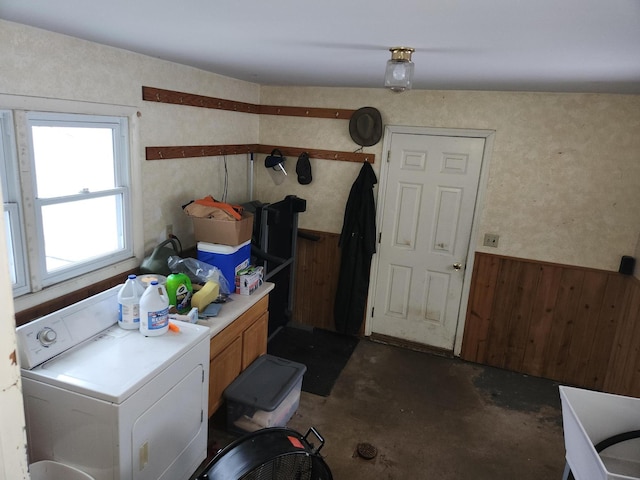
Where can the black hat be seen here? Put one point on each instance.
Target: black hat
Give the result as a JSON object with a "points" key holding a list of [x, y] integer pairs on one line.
{"points": [[365, 126], [303, 169]]}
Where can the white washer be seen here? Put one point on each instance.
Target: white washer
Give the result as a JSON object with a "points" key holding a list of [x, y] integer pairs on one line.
{"points": [[111, 402]]}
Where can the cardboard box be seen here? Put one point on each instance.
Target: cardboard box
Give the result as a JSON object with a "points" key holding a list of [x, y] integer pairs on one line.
{"points": [[248, 280], [224, 232]]}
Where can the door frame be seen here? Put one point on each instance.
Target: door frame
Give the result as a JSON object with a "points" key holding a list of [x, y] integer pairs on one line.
{"points": [[488, 136]]}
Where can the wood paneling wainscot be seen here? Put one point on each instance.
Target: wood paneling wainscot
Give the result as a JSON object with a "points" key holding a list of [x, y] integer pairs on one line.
{"points": [[578, 326], [317, 270]]}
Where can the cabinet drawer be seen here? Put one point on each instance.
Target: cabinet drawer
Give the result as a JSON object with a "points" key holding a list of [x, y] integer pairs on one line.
{"points": [[235, 329]]}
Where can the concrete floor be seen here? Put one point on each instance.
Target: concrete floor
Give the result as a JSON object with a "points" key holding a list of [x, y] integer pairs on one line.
{"points": [[432, 417]]}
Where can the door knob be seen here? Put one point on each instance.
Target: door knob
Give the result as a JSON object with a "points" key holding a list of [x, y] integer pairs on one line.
{"points": [[457, 266]]}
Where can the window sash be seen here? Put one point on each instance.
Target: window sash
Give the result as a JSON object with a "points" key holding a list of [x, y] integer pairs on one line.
{"points": [[70, 157], [119, 128], [15, 249], [14, 231], [69, 235]]}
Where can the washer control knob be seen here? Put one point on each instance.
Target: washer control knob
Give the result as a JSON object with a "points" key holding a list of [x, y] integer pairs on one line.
{"points": [[47, 336]]}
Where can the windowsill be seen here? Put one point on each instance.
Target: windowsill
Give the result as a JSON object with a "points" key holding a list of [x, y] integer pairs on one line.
{"points": [[34, 305]]}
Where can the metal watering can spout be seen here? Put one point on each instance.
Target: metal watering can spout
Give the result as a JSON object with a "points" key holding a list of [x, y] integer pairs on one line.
{"points": [[157, 261]]}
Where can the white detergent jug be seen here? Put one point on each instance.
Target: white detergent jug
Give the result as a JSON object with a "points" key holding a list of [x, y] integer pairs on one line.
{"points": [[129, 304], [154, 310]]}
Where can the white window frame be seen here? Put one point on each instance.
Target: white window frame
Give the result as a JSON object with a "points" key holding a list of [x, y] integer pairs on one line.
{"points": [[13, 204], [19, 105], [119, 126]]}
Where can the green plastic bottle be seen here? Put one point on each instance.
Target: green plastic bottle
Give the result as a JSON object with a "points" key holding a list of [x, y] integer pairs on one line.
{"points": [[180, 290]]}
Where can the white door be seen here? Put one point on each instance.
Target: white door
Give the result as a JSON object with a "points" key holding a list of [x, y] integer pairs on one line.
{"points": [[427, 213]]}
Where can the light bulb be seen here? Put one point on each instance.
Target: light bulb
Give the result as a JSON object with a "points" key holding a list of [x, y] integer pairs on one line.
{"points": [[399, 72]]}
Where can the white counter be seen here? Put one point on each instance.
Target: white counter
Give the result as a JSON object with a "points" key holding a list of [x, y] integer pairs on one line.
{"points": [[231, 310]]}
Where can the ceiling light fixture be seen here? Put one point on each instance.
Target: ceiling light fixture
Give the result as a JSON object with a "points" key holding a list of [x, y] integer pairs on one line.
{"points": [[399, 73]]}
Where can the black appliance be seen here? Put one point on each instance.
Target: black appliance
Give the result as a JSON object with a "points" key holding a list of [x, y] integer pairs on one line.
{"points": [[273, 246], [277, 453]]}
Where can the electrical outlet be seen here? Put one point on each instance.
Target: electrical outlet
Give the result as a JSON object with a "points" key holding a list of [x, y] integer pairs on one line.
{"points": [[491, 240], [169, 230]]}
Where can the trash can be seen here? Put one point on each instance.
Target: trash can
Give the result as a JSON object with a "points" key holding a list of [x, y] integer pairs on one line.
{"points": [[49, 470]]}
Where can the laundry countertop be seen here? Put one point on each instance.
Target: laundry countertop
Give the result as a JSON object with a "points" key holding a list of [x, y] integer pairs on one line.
{"points": [[231, 310]]}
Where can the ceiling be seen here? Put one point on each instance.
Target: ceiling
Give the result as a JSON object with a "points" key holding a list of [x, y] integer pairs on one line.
{"points": [[518, 45]]}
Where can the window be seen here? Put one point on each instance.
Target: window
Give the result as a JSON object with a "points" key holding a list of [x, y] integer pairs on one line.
{"points": [[11, 202], [77, 188]]}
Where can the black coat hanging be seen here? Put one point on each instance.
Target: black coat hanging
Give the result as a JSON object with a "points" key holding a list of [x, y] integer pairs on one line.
{"points": [[358, 244]]}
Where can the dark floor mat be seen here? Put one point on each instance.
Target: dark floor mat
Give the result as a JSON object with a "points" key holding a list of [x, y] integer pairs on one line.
{"points": [[323, 352], [517, 391]]}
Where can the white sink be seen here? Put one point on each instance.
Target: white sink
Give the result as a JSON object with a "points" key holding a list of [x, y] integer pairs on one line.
{"points": [[590, 417]]}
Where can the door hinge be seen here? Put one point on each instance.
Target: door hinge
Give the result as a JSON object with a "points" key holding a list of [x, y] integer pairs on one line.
{"points": [[388, 156], [372, 309], [380, 237]]}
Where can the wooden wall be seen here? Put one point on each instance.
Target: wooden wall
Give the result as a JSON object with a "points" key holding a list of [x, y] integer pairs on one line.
{"points": [[575, 325], [317, 269]]}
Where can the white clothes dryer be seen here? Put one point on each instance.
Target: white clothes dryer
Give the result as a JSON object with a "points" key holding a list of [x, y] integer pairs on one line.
{"points": [[111, 402]]}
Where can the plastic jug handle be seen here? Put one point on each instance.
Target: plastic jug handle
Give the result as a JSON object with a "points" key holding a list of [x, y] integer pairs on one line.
{"points": [[177, 246], [175, 243]]}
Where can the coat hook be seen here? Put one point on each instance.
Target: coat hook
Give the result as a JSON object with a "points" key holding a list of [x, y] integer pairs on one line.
{"points": [[160, 153], [157, 96]]}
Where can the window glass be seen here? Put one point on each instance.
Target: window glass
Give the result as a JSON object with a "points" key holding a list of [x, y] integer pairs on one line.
{"points": [[9, 236], [79, 231], [70, 160]]}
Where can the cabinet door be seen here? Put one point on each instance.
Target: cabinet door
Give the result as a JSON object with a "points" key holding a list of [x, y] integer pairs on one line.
{"points": [[254, 340], [223, 369]]}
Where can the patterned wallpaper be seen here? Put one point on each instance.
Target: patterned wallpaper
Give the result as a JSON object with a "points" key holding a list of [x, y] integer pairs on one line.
{"points": [[563, 175], [564, 178]]}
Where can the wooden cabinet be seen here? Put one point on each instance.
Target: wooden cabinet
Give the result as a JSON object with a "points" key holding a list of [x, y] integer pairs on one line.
{"points": [[235, 348], [254, 340]]}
